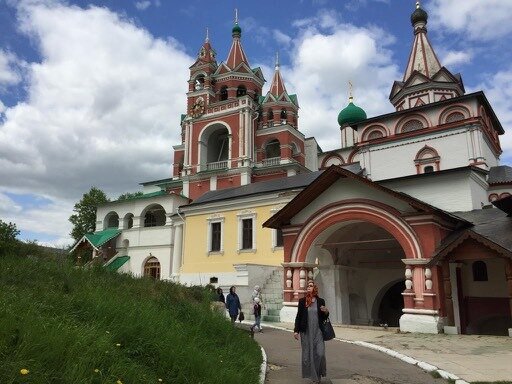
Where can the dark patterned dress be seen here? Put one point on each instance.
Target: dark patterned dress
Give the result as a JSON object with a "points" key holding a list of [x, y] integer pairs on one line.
{"points": [[313, 348]]}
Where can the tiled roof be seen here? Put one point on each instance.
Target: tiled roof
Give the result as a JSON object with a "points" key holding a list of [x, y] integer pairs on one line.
{"points": [[500, 174]]}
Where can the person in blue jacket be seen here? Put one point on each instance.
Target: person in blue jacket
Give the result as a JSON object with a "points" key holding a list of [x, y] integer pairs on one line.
{"points": [[233, 304]]}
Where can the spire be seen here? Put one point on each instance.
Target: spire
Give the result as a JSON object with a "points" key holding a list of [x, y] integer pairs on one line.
{"points": [[206, 52], [422, 57], [236, 52], [207, 39], [277, 86]]}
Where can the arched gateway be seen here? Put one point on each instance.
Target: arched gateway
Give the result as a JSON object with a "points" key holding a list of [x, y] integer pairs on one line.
{"points": [[368, 248]]}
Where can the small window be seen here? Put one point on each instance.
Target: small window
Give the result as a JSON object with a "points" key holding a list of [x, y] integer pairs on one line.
{"points": [[224, 93], [216, 229], [270, 115], [247, 234], [279, 237], [412, 125], [479, 271], [152, 268], [375, 135], [455, 116], [214, 280], [428, 169], [241, 91], [283, 114]]}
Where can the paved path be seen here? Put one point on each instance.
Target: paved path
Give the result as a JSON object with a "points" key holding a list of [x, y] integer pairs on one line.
{"points": [[346, 363]]}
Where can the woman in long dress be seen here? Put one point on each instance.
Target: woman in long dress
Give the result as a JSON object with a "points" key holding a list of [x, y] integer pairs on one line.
{"points": [[309, 321]]}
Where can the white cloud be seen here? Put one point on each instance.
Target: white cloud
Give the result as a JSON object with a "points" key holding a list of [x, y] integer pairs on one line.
{"points": [[477, 19], [7, 206], [324, 62], [455, 58], [8, 72], [498, 89], [142, 5], [102, 109], [281, 37]]}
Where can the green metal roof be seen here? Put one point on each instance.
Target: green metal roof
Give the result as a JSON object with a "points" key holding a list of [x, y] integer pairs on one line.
{"points": [[146, 195], [117, 263], [97, 239]]}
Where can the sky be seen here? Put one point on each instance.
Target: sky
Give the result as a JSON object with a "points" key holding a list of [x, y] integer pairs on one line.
{"points": [[91, 92]]}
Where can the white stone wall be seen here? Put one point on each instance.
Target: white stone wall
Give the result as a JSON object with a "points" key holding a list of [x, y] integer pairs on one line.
{"points": [[311, 152], [454, 191]]}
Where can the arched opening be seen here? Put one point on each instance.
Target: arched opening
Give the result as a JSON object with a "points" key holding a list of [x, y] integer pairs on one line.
{"points": [[391, 305], [152, 268], [272, 149], [283, 114], [241, 91], [223, 93], [111, 220], [199, 82], [214, 150], [154, 216], [360, 268], [128, 221], [270, 116], [412, 125]]}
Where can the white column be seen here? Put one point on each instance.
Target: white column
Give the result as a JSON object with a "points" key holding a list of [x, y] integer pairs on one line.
{"points": [[455, 295], [177, 251], [138, 221]]}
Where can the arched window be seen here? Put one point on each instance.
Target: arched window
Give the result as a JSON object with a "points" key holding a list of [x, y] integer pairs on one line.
{"points": [[152, 268], [270, 115], [224, 93], [412, 125], [241, 91], [283, 114], [111, 220], [427, 160], [199, 82], [454, 116], [428, 169], [493, 197], [155, 216], [295, 149], [504, 194], [273, 149], [375, 135], [128, 221], [479, 271]]}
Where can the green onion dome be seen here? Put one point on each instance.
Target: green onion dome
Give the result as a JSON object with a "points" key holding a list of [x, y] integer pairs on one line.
{"points": [[351, 114], [236, 30], [418, 15]]}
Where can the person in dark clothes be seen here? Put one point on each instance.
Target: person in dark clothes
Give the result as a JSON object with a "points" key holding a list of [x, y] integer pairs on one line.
{"points": [[309, 321], [233, 304], [257, 315], [220, 295]]}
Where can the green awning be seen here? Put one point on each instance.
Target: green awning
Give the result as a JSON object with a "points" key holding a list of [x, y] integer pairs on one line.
{"points": [[117, 263], [97, 239]]}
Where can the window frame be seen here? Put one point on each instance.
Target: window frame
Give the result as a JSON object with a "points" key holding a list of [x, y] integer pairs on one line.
{"points": [[241, 217], [209, 236]]}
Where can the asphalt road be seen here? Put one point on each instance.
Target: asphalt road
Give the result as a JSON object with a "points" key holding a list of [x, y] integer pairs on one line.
{"points": [[346, 363]]}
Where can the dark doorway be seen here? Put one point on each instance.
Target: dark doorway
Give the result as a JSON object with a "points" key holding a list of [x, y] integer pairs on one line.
{"points": [[391, 306]]}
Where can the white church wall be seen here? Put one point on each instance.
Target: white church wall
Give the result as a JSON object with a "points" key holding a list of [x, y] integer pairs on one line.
{"points": [[311, 152], [449, 191], [138, 257], [489, 157], [479, 193], [397, 159]]}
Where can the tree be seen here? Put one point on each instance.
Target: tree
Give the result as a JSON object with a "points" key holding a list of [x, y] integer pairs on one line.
{"points": [[129, 195], [8, 234], [84, 220]]}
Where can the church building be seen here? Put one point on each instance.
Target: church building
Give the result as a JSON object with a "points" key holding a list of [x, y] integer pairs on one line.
{"points": [[408, 223]]}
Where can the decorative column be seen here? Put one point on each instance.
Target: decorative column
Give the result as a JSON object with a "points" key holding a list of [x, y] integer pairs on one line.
{"points": [[428, 294], [408, 294], [296, 275], [448, 302], [177, 251], [137, 222]]}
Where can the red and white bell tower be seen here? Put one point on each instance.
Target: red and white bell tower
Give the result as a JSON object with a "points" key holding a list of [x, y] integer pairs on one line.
{"points": [[231, 135]]}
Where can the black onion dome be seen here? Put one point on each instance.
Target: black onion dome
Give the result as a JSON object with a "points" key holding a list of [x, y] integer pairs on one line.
{"points": [[418, 15]]}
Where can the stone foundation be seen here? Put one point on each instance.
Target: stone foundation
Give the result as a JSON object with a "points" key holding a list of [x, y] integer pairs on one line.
{"points": [[288, 314], [421, 323]]}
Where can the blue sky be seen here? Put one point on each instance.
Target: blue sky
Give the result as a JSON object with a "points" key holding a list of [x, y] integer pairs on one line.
{"points": [[91, 91]]}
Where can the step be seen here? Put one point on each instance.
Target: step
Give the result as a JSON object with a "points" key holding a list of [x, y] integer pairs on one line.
{"points": [[273, 312], [271, 319]]}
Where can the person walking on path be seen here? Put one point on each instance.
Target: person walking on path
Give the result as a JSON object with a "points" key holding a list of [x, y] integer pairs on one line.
{"points": [[233, 304], [257, 315], [220, 295], [309, 321]]}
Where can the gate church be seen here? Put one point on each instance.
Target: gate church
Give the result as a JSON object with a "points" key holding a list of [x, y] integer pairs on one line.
{"points": [[406, 224]]}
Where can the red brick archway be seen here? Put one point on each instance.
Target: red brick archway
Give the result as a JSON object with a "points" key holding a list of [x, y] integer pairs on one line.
{"points": [[361, 210]]}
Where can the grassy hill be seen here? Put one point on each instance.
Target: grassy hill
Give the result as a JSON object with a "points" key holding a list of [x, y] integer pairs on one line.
{"points": [[70, 325]]}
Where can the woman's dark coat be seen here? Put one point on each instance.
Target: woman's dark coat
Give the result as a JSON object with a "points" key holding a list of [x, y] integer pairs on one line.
{"points": [[301, 320], [233, 304]]}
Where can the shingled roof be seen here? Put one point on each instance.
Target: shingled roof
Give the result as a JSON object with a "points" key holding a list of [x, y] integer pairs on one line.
{"points": [[500, 175]]}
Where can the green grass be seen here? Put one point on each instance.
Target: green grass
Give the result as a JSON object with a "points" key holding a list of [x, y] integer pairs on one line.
{"points": [[62, 323]]}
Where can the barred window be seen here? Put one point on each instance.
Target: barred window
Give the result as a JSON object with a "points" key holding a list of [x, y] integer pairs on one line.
{"points": [[375, 135], [152, 268], [412, 125], [455, 116], [479, 271]]}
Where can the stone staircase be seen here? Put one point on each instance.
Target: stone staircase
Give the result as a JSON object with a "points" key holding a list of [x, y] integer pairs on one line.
{"points": [[271, 298]]}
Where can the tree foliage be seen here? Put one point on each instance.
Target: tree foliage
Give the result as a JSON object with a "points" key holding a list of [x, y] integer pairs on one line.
{"points": [[129, 195], [8, 234], [84, 218]]}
